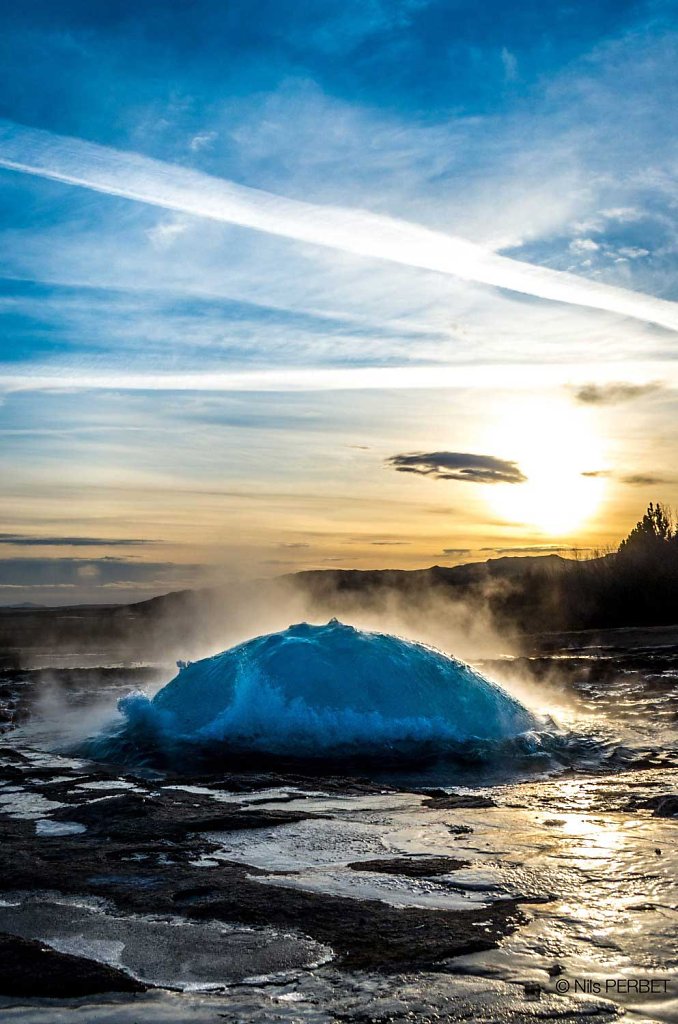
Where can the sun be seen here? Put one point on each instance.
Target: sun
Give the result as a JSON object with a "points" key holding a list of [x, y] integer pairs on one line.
{"points": [[559, 448]]}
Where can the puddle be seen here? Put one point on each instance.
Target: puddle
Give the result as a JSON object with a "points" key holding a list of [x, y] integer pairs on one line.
{"points": [[46, 827], [19, 803]]}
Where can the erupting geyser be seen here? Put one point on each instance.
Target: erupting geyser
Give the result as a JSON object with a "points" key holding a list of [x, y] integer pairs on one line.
{"points": [[320, 691]]}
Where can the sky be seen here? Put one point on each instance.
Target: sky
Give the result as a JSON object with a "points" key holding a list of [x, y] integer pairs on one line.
{"points": [[306, 284]]}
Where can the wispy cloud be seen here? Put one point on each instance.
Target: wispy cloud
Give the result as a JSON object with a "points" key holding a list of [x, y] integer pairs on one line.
{"points": [[644, 479], [478, 469], [634, 479], [509, 64], [532, 549], [359, 232], [203, 140], [390, 543], [104, 572], [38, 541]]}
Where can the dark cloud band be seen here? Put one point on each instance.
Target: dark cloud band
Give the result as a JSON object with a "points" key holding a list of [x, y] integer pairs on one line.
{"points": [[478, 469], [611, 394], [27, 540]]}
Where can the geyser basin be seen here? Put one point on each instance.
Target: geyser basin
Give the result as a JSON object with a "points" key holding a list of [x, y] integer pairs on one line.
{"points": [[328, 691]]}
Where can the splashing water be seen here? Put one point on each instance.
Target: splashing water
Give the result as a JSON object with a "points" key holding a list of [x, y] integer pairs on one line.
{"points": [[329, 691]]}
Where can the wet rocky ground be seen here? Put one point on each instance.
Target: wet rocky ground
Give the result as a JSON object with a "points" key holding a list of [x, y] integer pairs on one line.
{"points": [[304, 896]]}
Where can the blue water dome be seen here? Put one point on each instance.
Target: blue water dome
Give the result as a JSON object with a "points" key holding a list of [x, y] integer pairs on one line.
{"points": [[325, 691]]}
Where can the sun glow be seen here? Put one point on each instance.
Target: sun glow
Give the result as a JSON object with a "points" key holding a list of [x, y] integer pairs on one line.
{"points": [[557, 446]]}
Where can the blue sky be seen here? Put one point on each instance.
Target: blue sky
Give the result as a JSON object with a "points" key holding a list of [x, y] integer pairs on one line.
{"points": [[252, 252]]}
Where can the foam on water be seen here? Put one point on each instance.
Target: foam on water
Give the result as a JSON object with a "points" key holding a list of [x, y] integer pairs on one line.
{"points": [[320, 692]]}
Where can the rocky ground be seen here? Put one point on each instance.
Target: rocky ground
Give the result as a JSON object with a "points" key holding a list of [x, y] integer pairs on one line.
{"points": [[296, 895], [267, 898]]}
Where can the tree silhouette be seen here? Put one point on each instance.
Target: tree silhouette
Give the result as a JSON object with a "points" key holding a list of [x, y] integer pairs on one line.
{"points": [[651, 534]]}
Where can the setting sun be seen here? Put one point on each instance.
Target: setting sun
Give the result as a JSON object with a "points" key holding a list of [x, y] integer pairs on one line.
{"points": [[557, 446]]}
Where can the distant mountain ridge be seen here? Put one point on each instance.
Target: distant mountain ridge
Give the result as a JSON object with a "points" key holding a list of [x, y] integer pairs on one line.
{"points": [[515, 595]]}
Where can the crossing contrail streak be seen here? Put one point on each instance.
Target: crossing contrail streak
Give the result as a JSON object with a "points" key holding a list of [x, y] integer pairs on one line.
{"points": [[140, 178]]}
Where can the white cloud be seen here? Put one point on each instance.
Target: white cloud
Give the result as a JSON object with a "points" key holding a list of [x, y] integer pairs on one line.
{"points": [[632, 252], [203, 140], [579, 245], [510, 64], [166, 232]]}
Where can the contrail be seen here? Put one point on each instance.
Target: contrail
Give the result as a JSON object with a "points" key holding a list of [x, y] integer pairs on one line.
{"points": [[33, 151], [506, 377]]}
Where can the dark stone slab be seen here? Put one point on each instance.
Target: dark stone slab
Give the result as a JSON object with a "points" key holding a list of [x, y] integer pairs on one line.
{"points": [[29, 968], [442, 801], [411, 867]]}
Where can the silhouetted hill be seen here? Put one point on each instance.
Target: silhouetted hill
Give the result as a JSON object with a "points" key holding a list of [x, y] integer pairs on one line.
{"points": [[516, 595], [469, 574]]}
